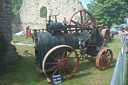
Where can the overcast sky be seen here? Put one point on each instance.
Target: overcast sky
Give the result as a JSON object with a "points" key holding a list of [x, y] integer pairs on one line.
{"points": [[85, 2]]}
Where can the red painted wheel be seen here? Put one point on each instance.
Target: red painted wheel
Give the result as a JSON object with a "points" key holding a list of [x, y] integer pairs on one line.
{"points": [[81, 18], [104, 59], [64, 60], [82, 54]]}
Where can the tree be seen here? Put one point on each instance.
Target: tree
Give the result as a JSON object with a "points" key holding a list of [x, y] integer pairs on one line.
{"points": [[108, 12], [16, 4]]}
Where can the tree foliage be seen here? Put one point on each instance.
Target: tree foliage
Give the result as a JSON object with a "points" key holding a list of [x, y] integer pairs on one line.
{"points": [[16, 4], [108, 12]]}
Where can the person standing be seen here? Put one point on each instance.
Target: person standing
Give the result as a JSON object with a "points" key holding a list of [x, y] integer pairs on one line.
{"points": [[27, 28], [121, 29], [65, 22], [125, 32]]}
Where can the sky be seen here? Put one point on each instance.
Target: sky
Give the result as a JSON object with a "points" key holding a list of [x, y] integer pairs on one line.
{"points": [[85, 2]]}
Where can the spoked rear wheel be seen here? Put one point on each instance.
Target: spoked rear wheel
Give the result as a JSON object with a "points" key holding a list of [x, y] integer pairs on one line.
{"points": [[61, 59], [81, 18], [104, 59]]}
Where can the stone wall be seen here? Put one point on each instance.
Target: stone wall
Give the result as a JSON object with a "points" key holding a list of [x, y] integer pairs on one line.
{"points": [[16, 24], [6, 17], [30, 11]]}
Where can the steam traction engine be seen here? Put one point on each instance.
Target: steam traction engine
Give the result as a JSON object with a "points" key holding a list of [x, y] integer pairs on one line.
{"points": [[60, 49]]}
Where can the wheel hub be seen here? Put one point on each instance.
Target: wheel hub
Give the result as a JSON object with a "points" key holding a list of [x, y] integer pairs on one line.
{"points": [[104, 58], [61, 64]]}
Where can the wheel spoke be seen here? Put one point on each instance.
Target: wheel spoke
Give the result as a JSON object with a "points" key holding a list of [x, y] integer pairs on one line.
{"points": [[105, 54], [109, 58], [68, 55], [108, 54], [60, 70], [101, 60], [55, 71], [64, 73], [53, 57], [104, 64], [102, 55], [50, 63], [75, 22], [71, 59], [101, 64], [81, 17], [63, 53], [52, 68], [87, 20], [69, 69]]}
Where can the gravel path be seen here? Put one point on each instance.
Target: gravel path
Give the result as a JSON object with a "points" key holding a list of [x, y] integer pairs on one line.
{"points": [[18, 43]]}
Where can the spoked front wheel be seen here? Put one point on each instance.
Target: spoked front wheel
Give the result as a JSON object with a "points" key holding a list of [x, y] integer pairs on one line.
{"points": [[104, 59]]}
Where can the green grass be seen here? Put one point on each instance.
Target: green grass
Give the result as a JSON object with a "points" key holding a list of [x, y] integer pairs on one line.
{"points": [[23, 72], [22, 39]]}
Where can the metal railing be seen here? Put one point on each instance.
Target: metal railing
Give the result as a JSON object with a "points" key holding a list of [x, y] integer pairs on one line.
{"points": [[119, 71]]}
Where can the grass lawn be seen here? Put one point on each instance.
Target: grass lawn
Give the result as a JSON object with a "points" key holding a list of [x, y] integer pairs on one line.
{"points": [[23, 72], [22, 39]]}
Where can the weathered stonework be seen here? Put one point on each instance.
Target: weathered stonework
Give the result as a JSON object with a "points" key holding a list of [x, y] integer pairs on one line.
{"points": [[16, 24], [6, 17], [30, 11]]}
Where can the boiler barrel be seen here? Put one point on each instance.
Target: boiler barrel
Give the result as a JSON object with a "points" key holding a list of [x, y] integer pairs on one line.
{"points": [[47, 41]]}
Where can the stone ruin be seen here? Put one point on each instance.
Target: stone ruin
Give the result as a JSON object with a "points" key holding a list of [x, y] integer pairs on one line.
{"points": [[31, 11], [6, 17]]}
